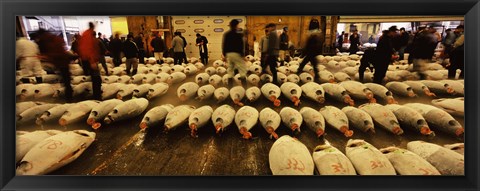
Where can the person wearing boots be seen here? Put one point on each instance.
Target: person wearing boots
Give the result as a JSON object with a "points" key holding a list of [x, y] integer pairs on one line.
{"points": [[88, 51], [312, 49], [271, 56], [130, 50], [159, 48]]}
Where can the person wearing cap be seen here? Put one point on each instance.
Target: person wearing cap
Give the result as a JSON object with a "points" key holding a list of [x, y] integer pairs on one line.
{"points": [[423, 49], [130, 50], [283, 45], [233, 51], [203, 48], [457, 54], [354, 42], [384, 54], [271, 57], [177, 45]]}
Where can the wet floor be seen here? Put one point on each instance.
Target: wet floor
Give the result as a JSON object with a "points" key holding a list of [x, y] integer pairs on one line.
{"points": [[122, 149]]}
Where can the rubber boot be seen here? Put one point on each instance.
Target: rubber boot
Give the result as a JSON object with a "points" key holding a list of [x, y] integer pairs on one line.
{"points": [[39, 80], [134, 72]]}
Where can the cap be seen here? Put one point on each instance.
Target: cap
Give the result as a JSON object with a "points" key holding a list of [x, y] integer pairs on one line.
{"points": [[393, 28]]}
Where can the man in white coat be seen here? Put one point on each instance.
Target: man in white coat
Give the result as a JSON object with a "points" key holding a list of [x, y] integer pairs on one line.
{"points": [[26, 55]]}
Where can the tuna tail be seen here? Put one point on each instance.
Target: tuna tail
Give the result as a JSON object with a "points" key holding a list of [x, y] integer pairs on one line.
{"points": [[391, 100], [193, 132], [426, 131], [321, 99], [39, 121], [450, 91], [349, 100], [411, 94], [272, 133], [143, 125], [90, 121], [166, 129], [295, 127], [119, 97], [62, 122], [459, 132], [296, 100], [96, 125], [238, 102], [331, 81], [108, 119], [245, 133], [182, 97], [428, 93], [218, 128], [373, 100], [320, 132], [370, 129], [346, 131]]}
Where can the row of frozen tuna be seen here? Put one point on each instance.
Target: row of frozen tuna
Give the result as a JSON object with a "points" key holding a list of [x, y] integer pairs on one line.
{"points": [[93, 112], [41, 152], [414, 116], [288, 156], [84, 90]]}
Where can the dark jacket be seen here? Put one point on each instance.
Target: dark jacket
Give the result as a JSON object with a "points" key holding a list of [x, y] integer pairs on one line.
{"points": [[102, 49], [233, 42], [139, 41], [204, 46], [115, 45], [314, 24], [158, 44], [424, 45], [284, 41], [368, 57], [130, 49], [354, 42], [184, 41], [273, 43], [384, 52], [313, 46]]}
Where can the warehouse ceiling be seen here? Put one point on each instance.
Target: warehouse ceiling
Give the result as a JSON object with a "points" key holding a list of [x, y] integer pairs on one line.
{"points": [[386, 19]]}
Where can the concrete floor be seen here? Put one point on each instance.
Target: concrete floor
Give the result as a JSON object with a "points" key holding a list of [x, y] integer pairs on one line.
{"points": [[122, 149]]}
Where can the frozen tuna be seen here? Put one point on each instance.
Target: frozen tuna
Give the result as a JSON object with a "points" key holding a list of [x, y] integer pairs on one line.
{"points": [[176, 77], [306, 77], [381, 92], [126, 91], [157, 90], [221, 94], [314, 120], [32, 113], [205, 92], [454, 106], [99, 112], [215, 80], [272, 92], [110, 90], [77, 112], [162, 77], [245, 119], [53, 113], [358, 91], [338, 93], [253, 79], [399, 88], [331, 161], [199, 118], [27, 141], [438, 119], [337, 119], [155, 116], [408, 117], [22, 106], [288, 156], [456, 86], [237, 93], [326, 77], [367, 159], [270, 121], [457, 147], [127, 110], [55, 152], [438, 87], [222, 117], [446, 161], [420, 88], [187, 91], [359, 119], [141, 90], [292, 91], [253, 93], [178, 116], [291, 118], [408, 163], [202, 78], [383, 117], [314, 92]]}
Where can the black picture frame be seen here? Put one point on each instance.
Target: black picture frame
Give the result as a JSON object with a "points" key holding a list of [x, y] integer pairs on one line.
{"points": [[9, 9]]}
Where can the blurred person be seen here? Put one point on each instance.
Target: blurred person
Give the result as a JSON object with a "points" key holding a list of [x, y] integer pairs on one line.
{"points": [[202, 44], [312, 49], [159, 48], [264, 48], [457, 54], [26, 56], [448, 42], [177, 45], [102, 39], [54, 50], [354, 42], [402, 43], [233, 51], [115, 48], [88, 50], [102, 50], [141, 50], [271, 57], [283, 45], [371, 39], [184, 53], [340, 40], [424, 46], [130, 49], [256, 47], [384, 54], [367, 61]]}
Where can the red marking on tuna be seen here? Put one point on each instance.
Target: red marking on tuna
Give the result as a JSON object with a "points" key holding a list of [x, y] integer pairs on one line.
{"points": [[51, 144], [376, 164], [338, 167], [295, 165], [426, 171]]}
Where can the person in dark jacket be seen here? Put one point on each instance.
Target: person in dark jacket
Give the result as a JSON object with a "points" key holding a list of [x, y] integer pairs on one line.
{"points": [[115, 48], [141, 50], [53, 49], [203, 48], [314, 25], [340, 40], [402, 43], [457, 55], [366, 62], [102, 50], [354, 42], [178, 48], [130, 50], [312, 49], [283, 45], [271, 57], [384, 54], [89, 53], [233, 51], [102, 38], [159, 48], [424, 46]]}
